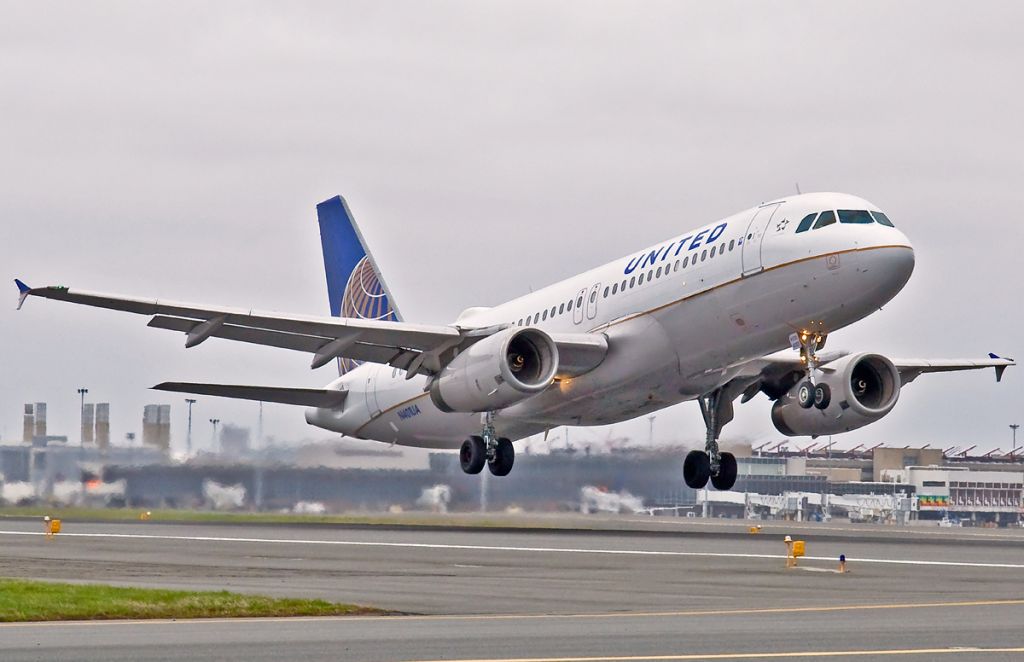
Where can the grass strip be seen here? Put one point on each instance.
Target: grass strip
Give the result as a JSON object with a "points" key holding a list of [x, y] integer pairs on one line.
{"points": [[25, 600], [169, 515]]}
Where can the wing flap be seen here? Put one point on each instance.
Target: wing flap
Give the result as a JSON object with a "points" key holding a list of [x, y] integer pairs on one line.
{"points": [[308, 397]]}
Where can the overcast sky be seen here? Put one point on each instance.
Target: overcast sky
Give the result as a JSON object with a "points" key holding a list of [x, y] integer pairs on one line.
{"points": [[177, 150]]}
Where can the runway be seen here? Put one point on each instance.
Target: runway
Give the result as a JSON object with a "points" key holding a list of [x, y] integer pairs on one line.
{"points": [[634, 589]]}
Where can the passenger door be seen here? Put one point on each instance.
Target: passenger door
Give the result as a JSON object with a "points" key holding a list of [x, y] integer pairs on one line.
{"points": [[755, 234]]}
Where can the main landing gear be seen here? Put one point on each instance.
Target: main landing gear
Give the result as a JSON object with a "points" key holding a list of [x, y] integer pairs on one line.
{"points": [[490, 449], [811, 394], [710, 463]]}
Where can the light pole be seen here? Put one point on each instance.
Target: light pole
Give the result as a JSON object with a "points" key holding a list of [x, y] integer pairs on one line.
{"points": [[650, 439], [258, 473], [188, 437], [215, 422], [81, 417], [1013, 427]]}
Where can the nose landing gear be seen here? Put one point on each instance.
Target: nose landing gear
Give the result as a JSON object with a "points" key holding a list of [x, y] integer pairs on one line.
{"points": [[811, 394], [496, 452]]}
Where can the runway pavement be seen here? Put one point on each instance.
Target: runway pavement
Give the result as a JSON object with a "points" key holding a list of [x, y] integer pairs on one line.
{"points": [[631, 589]]}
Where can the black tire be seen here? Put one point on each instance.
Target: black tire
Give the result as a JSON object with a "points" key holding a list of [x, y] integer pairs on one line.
{"points": [[805, 395], [504, 458], [726, 477], [696, 469], [473, 455], [822, 396]]}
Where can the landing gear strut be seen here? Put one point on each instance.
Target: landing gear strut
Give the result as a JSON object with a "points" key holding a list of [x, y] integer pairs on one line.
{"points": [[710, 463], [490, 449], [811, 394]]}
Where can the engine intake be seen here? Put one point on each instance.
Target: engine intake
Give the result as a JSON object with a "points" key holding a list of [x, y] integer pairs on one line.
{"points": [[865, 387], [497, 372]]}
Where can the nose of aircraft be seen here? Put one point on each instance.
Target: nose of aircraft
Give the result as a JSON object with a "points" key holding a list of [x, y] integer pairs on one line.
{"points": [[899, 261]]}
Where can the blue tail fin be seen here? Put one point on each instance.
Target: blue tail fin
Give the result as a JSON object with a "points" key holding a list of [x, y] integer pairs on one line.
{"points": [[354, 284]]}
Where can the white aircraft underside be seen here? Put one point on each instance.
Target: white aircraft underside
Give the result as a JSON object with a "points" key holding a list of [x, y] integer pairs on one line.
{"points": [[718, 314]]}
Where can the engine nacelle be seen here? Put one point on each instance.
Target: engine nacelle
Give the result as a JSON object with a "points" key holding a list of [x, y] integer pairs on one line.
{"points": [[497, 372], [864, 388]]}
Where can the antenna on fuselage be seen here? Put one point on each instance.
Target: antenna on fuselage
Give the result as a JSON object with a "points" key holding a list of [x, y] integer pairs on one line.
{"points": [[798, 188]]}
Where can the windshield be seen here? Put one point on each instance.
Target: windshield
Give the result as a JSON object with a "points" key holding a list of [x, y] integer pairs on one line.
{"points": [[855, 216]]}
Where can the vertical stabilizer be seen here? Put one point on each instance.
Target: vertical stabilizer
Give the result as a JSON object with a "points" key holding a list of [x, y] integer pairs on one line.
{"points": [[354, 283]]}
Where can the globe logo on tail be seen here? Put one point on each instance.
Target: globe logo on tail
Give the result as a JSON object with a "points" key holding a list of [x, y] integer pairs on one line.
{"points": [[364, 298]]}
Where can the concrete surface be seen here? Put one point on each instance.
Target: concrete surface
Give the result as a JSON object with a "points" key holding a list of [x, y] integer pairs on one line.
{"points": [[636, 587]]}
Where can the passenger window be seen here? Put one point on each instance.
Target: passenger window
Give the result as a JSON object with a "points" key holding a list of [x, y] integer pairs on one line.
{"points": [[686, 261], [568, 306], [561, 309], [882, 219], [650, 275], [732, 243], [855, 216], [632, 282], [606, 291], [545, 315], [807, 222], [623, 287], [552, 311], [640, 281], [826, 218], [676, 268], [658, 273], [703, 255], [713, 248]]}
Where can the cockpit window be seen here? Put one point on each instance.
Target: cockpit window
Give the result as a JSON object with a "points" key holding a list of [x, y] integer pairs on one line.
{"points": [[826, 218], [857, 216], [806, 223], [882, 218]]}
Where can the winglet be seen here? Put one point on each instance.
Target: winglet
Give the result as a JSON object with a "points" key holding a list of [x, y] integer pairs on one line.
{"points": [[23, 291], [1000, 369]]}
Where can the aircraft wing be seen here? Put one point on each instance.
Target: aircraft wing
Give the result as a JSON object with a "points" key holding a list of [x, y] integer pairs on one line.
{"points": [[415, 348], [911, 369], [400, 344], [776, 373]]}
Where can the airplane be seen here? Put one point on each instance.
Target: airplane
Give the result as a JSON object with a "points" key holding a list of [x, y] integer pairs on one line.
{"points": [[734, 308]]}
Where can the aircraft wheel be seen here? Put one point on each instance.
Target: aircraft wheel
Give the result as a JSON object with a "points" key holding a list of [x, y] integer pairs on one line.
{"points": [[696, 469], [726, 477], [805, 395], [473, 455], [822, 396], [504, 457]]}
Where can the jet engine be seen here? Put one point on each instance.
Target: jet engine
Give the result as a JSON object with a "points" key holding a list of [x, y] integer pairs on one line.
{"points": [[497, 372], [864, 388]]}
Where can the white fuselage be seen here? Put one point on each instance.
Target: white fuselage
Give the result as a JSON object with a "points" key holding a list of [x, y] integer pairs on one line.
{"points": [[687, 328]]}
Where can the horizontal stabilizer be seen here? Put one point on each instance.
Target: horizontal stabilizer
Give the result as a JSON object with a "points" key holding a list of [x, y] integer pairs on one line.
{"points": [[307, 397]]}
